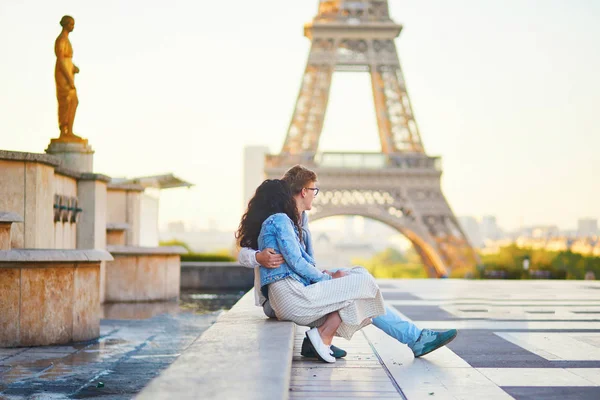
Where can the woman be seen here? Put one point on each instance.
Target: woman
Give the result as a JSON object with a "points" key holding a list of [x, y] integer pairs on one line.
{"points": [[333, 304]]}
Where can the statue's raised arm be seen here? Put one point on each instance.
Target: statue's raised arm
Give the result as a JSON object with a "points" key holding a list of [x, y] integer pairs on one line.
{"points": [[64, 75]]}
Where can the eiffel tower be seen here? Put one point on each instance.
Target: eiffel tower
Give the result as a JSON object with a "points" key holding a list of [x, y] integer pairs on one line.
{"points": [[399, 186]]}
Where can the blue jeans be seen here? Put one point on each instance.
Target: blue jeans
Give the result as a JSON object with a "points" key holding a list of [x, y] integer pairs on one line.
{"points": [[400, 329], [391, 323]]}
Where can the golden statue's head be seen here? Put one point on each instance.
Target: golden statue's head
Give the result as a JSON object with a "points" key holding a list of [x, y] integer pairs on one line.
{"points": [[68, 23]]}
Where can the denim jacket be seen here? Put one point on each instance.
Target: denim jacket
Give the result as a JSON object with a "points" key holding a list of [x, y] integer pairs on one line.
{"points": [[279, 233]]}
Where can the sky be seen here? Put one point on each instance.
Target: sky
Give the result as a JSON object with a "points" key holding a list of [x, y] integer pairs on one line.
{"points": [[505, 91]]}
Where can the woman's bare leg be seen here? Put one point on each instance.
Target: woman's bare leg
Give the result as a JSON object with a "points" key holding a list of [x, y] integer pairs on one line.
{"points": [[329, 327]]}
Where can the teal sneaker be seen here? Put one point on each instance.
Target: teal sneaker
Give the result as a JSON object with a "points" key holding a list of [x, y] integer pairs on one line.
{"points": [[429, 341], [309, 351]]}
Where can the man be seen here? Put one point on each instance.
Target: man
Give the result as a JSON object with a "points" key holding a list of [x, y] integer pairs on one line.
{"points": [[420, 341], [64, 75]]}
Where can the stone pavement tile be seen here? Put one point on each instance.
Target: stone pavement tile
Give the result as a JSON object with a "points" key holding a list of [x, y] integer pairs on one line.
{"points": [[342, 395], [534, 377], [425, 313], [10, 352], [591, 374], [52, 349], [482, 348], [129, 355], [358, 375], [338, 374], [441, 374], [554, 393], [340, 363], [554, 346], [462, 324]]}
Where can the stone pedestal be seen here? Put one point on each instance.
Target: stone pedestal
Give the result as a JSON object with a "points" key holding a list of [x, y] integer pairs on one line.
{"points": [[76, 154], [143, 273], [49, 297]]}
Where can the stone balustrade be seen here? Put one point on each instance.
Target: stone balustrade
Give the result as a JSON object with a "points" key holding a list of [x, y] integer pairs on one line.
{"points": [[49, 296], [143, 273]]}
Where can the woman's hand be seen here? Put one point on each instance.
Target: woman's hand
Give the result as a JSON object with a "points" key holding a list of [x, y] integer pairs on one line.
{"points": [[339, 274], [269, 259]]}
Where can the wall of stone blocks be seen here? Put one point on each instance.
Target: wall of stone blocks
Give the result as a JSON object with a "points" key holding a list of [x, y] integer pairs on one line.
{"points": [[27, 188], [65, 233]]}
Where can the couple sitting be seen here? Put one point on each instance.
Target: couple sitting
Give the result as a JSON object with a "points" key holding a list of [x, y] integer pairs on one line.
{"points": [[274, 236]]}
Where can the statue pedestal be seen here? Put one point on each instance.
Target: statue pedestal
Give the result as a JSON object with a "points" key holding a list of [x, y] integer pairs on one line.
{"points": [[76, 154]]}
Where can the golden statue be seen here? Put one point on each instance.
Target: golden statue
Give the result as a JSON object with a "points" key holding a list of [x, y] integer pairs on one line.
{"points": [[64, 75]]}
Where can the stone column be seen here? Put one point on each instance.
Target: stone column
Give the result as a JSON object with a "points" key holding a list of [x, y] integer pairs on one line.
{"points": [[91, 227]]}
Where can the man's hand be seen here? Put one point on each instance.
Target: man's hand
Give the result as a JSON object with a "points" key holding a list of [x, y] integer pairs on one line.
{"points": [[338, 274], [269, 259]]}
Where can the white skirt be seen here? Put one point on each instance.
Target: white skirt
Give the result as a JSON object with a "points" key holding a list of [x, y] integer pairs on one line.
{"points": [[356, 296]]}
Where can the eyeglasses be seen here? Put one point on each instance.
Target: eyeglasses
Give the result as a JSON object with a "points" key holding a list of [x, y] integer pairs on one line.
{"points": [[315, 189]]}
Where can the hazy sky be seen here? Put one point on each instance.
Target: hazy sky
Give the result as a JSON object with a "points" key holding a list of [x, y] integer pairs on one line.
{"points": [[506, 91]]}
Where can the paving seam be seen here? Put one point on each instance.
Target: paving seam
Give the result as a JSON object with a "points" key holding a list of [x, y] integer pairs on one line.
{"points": [[122, 358], [385, 368], [37, 374]]}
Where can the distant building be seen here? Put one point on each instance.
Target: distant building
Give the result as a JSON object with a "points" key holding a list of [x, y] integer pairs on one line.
{"points": [[470, 226], [544, 231], [489, 228], [587, 227], [176, 227], [254, 167]]}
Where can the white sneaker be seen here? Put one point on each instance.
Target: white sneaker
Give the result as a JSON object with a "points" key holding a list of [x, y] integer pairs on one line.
{"points": [[323, 351]]}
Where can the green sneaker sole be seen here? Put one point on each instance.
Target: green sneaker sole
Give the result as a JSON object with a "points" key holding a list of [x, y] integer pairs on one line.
{"points": [[438, 345]]}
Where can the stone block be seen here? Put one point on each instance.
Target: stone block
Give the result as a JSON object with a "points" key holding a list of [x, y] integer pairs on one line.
{"points": [[120, 279], [39, 212], [91, 230], [5, 236], [12, 195], [116, 206], [10, 293], [150, 278], [86, 303], [115, 237], [172, 277], [135, 276], [46, 313]]}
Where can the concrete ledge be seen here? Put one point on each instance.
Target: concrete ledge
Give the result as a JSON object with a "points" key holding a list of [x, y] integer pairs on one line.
{"points": [[134, 187], [30, 157], [117, 226], [215, 275], [6, 216], [42, 256], [142, 251], [82, 176], [244, 355]]}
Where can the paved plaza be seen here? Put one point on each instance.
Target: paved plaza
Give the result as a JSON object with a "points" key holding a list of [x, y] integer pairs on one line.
{"points": [[517, 339], [129, 353]]}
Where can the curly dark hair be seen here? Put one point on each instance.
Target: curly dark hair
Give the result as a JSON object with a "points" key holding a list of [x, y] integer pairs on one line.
{"points": [[272, 196]]}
